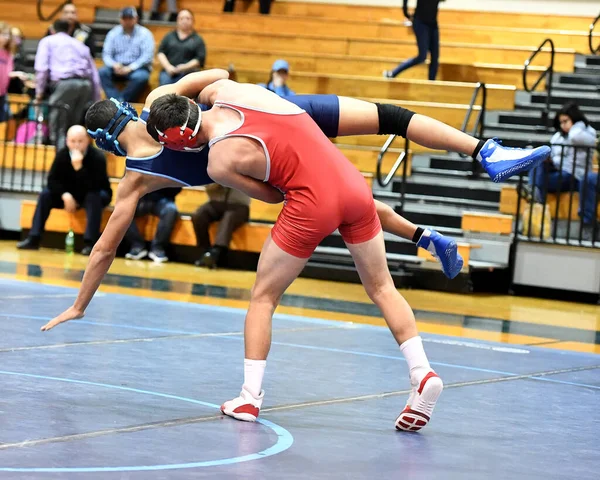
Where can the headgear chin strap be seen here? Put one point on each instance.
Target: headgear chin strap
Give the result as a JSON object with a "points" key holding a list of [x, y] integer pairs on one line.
{"points": [[182, 138], [107, 140]]}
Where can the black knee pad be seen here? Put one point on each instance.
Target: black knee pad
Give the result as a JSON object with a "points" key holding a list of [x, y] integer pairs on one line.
{"points": [[393, 119]]}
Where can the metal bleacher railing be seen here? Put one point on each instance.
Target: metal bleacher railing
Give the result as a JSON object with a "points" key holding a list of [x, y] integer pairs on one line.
{"points": [[25, 150], [547, 74], [46, 18], [562, 209], [594, 50], [400, 161], [479, 126]]}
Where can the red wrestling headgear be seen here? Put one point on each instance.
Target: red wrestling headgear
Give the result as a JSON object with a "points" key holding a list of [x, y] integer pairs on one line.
{"points": [[182, 138]]}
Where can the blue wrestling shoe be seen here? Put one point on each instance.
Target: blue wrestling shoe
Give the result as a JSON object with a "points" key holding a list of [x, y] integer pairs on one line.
{"points": [[503, 162], [443, 249]]}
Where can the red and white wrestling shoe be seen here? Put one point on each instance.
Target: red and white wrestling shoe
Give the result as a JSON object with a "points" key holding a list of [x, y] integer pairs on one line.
{"points": [[421, 403], [245, 407]]}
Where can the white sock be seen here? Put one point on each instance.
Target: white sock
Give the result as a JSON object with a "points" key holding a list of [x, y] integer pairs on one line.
{"points": [[414, 353], [426, 234], [254, 370]]}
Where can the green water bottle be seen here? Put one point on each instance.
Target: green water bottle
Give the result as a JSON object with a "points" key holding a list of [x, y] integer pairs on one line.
{"points": [[70, 242]]}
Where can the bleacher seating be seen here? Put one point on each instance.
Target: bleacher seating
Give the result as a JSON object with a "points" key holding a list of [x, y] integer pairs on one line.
{"points": [[248, 238], [342, 49]]}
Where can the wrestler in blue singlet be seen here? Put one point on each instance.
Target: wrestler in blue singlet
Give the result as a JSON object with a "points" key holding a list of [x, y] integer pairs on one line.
{"points": [[191, 171]]}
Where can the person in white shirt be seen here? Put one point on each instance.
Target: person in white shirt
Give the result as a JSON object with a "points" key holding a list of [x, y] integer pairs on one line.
{"points": [[570, 166]]}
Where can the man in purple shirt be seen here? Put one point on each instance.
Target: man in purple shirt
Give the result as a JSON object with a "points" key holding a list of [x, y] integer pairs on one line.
{"points": [[67, 75]]}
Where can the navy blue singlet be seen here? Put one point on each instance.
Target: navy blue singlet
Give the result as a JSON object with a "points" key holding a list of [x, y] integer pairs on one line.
{"points": [[189, 168]]}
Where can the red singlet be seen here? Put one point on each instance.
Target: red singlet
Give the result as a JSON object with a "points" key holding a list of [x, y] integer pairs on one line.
{"points": [[323, 190]]}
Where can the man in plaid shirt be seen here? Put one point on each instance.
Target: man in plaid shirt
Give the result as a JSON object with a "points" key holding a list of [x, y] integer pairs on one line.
{"points": [[127, 54]]}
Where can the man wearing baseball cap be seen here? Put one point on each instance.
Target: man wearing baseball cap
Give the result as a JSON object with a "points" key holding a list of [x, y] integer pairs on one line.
{"points": [[127, 54], [278, 79]]}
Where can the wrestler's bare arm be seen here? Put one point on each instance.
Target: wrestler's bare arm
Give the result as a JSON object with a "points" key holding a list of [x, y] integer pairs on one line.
{"points": [[189, 86], [223, 171], [131, 188], [210, 93], [246, 94]]}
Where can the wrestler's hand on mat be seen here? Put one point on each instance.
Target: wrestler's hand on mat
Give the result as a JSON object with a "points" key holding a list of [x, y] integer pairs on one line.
{"points": [[69, 314]]}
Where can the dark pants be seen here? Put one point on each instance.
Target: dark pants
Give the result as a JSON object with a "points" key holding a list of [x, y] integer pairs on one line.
{"points": [[136, 81], [94, 203], [166, 211], [264, 6], [68, 101], [3, 112], [231, 217], [428, 40], [557, 181], [165, 79]]}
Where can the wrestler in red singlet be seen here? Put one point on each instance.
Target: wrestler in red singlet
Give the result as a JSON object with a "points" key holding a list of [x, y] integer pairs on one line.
{"points": [[323, 190]]}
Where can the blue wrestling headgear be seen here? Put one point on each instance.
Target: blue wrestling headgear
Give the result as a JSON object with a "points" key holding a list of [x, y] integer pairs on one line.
{"points": [[107, 140]]}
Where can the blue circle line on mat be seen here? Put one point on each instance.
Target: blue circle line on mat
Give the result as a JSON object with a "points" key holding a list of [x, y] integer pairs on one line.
{"points": [[284, 438]]}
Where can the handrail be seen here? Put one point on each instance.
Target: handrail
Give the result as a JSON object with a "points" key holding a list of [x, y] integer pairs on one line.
{"points": [[480, 122], [548, 74], [139, 8], [594, 51], [399, 161], [53, 14]]}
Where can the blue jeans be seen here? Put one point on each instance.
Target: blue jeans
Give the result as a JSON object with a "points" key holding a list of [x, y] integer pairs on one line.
{"points": [[135, 82], [428, 40], [165, 79], [565, 182], [167, 213]]}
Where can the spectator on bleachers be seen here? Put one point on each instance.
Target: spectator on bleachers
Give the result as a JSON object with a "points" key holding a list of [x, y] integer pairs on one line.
{"points": [[6, 66], [7, 70], [77, 30], [567, 167], [162, 204], [181, 51], [127, 54], [425, 26], [77, 179], [228, 206], [18, 81], [65, 74], [171, 6], [278, 78], [264, 6]]}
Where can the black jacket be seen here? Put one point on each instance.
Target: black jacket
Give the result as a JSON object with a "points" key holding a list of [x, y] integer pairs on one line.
{"points": [[426, 11], [92, 177]]}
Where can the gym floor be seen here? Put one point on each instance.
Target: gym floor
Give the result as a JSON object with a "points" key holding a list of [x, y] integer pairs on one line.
{"points": [[133, 389]]}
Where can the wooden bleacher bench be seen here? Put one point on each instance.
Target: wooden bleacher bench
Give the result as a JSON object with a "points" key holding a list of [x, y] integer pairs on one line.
{"points": [[394, 30], [360, 86], [483, 28], [331, 11], [39, 158], [499, 96], [509, 199], [487, 223], [191, 198], [372, 66], [378, 13], [248, 238], [454, 52]]}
